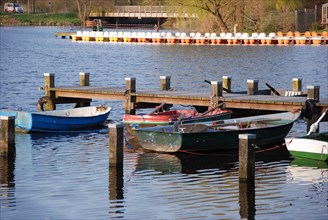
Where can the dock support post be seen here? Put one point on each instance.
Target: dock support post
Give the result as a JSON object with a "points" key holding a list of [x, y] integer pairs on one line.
{"points": [[216, 88], [84, 81], [130, 87], [115, 144], [226, 82], [49, 82], [7, 141], [246, 157], [165, 82], [252, 87], [297, 85], [216, 92], [313, 92]]}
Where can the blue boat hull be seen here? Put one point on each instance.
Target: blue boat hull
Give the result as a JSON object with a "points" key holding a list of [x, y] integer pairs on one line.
{"points": [[48, 122]]}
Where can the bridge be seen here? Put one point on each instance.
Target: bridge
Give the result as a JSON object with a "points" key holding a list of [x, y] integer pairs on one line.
{"points": [[141, 12]]}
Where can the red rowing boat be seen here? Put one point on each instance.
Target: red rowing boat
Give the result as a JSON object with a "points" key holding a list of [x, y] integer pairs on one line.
{"points": [[161, 117]]}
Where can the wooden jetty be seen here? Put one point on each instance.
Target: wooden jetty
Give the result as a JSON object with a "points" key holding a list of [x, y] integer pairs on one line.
{"points": [[65, 34], [133, 98]]}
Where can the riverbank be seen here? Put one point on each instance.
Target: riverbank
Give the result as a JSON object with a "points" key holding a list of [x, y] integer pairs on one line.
{"points": [[48, 19]]}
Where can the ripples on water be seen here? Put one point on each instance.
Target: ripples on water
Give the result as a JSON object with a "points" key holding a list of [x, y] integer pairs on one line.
{"points": [[66, 176]]}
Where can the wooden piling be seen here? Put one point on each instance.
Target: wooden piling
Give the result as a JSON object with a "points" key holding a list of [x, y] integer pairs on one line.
{"points": [[252, 87], [216, 88], [115, 144], [246, 157], [130, 87], [226, 82], [84, 81], [165, 82], [7, 136], [49, 82], [313, 92], [216, 93], [297, 85]]}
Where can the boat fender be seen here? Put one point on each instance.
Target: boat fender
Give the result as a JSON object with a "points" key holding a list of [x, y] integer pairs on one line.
{"points": [[46, 100]]}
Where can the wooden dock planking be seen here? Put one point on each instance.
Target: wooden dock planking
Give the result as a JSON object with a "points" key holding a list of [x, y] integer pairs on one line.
{"points": [[242, 101], [148, 98]]}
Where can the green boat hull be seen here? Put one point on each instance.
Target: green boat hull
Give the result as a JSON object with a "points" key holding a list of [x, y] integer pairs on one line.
{"points": [[314, 146], [165, 139]]}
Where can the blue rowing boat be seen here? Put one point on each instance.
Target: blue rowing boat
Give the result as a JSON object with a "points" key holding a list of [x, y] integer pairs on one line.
{"points": [[59, 120]]}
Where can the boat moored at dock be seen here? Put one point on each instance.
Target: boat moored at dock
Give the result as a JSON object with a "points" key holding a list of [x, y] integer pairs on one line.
{"points": [[59, 120], [222, 135]]}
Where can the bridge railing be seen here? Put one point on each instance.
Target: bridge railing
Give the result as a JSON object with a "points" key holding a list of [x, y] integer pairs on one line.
{"points": [[141, 11]]}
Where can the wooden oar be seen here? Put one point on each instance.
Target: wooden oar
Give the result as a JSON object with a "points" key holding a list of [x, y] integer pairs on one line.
{"points": [[273, 89], [315, 125], [157, 108], [211, 109], [226, 90]]}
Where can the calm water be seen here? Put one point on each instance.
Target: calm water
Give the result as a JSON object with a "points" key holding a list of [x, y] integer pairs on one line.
{"points": [[66, 176]]}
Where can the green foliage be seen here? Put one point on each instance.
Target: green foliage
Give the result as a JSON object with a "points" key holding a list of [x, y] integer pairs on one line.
{"points": [[48, 19], [277, 21]]}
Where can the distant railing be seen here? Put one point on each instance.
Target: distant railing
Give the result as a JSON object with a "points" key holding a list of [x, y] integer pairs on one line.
{"points": [[142, 11], [325, 14]]}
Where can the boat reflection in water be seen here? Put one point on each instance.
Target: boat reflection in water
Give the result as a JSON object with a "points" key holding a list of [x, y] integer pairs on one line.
{"points": [[213, 180]]}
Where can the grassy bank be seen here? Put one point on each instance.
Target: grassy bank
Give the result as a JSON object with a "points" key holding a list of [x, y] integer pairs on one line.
{"points": [[48, 19]]}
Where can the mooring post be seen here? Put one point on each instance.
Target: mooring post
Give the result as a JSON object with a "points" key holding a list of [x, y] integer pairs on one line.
{"points": [[7, 136], [226, 82], [84, 81], [116, 148], [49, 82], [246, 157], [297, 85], [216, 88], [313, 92], [165, 82], [252, 87], [115, 144], [216, 92], [130, 87]]}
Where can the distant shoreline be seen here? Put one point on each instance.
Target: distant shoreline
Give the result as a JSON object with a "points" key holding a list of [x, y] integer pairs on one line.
{"points": [[23, 19]]}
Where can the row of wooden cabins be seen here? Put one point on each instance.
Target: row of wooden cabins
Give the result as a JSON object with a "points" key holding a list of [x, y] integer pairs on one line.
{"points": [[207, 38]]}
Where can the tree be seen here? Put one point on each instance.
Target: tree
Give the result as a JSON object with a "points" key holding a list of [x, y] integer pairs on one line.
{"points": [[84, 9], [220, 10]]}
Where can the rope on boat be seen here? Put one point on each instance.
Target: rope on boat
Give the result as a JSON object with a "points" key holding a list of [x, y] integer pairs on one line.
{"points": [[269, 149]]}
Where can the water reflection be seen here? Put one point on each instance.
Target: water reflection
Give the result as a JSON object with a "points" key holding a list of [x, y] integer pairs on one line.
{"points": [[247, 200], [115, 189], [7, 180], [185, 163], [7, 170]]}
